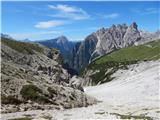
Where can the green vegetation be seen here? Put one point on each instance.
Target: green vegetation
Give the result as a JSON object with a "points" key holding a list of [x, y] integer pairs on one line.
{"points": [[22, 47], [132, 117], [106, 70], [31, 92], [9, 100], [149, 51], [110, 63], [25, 118]]}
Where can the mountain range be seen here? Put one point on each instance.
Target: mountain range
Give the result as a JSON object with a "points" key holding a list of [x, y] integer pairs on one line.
{"points": [[78, 55], [107, 40]]}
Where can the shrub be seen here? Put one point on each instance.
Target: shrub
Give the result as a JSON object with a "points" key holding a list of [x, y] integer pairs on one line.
{"points": [[31, 92], [10, 100], [140, 117]]}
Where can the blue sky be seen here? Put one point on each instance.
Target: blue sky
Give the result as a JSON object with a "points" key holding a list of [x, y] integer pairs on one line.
{"points": [[75, 20]]}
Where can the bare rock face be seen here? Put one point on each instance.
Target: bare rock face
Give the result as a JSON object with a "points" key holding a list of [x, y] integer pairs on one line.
{"points": [[107, 40], [83, 52], [132, 35], [33, 78]]}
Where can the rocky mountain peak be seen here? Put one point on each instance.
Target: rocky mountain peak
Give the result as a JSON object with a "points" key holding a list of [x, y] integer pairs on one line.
{"points": [[62, 39], [102, 30], [120, 26], [113, 26], [134, 25]]}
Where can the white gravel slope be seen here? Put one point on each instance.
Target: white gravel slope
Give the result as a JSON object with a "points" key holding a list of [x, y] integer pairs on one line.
{"points": [[133, 92], [139, 85]]}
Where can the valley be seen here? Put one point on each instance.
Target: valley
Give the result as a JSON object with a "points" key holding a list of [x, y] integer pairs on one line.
{"points": [[80, 60], [120, 82], [133, 94]]}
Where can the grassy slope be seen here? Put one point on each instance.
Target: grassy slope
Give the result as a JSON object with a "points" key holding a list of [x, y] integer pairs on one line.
{"points": [[22, 47], [121, 58]]}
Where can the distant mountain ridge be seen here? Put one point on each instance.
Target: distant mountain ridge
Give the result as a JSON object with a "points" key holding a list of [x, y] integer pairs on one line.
{"points": [[61, 43]]}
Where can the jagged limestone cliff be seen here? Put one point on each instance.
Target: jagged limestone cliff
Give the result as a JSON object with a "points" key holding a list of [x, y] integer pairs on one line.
{"points": [[107, 40]]}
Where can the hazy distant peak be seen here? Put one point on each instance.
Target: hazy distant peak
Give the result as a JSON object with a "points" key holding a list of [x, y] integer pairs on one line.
{"points": [[62, 39]]}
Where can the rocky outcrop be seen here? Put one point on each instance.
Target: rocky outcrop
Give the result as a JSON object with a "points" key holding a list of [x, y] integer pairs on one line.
{"points": [[32, 75], [107, 40], [76, 82]]}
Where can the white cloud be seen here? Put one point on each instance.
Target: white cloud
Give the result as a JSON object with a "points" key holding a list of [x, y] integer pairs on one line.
{"points": [[49, 24], [72, 16], [109, 16], [145, 11], [64, 8], [69, 12]]}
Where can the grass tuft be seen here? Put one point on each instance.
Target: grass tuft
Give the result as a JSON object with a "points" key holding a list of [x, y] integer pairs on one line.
{"points": [[10, 100]]}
